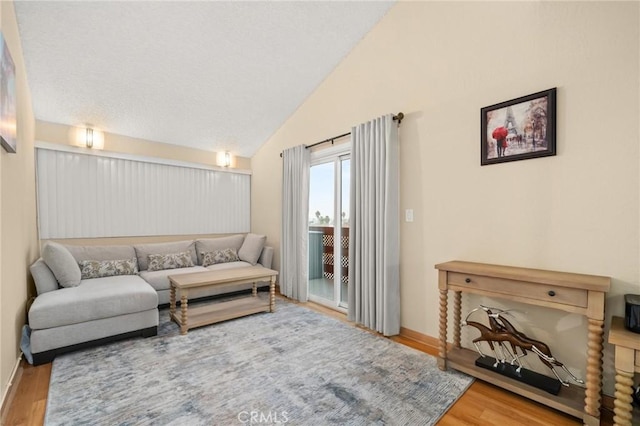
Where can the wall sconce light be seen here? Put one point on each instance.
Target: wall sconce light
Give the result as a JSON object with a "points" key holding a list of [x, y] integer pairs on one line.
{"points": [[223, 159], [86, 136], [89, 138]]}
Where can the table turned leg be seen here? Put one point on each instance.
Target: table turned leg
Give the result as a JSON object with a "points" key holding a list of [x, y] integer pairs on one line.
{"points": [[254, 289], [457, 317], [442, 349], [183, 310], [622, 403], [594, 368], [272, 295], [172, 302]]}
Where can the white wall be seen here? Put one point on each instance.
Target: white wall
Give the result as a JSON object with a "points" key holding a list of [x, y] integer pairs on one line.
{"points": [[19, 246], [439, 63]]}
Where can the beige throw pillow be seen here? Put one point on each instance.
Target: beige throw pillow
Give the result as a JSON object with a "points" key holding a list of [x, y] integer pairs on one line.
{"points": [[252, 248], [62, 264]]}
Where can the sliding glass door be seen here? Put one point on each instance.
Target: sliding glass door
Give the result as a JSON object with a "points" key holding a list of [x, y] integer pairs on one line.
{"points": [[329, 228]]}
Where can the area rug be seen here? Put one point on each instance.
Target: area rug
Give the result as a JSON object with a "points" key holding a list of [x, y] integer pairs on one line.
{"points": [[294, 366]]}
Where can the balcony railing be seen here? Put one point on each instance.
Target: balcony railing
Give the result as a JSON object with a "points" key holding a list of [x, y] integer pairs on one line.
{"points": [[323, 253]]}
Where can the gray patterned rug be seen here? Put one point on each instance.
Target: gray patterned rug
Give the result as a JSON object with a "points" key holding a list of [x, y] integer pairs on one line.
{"points": [[294, 367]]}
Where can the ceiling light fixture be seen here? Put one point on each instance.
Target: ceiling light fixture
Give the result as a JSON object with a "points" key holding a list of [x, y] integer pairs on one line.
{"points": [[227, 159]]}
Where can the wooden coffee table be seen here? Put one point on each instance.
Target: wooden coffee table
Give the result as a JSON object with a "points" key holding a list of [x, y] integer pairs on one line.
{"points": [[212, 312]]}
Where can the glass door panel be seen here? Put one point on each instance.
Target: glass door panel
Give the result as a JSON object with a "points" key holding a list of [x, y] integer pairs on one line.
{"points": [[329, 201], [321, 220]]}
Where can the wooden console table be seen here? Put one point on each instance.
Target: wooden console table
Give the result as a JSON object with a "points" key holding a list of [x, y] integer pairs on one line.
{"points": [[627, 362], [575, 293]]}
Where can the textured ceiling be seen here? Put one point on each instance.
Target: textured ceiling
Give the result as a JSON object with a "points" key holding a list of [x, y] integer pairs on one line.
{"points": [[209, 75]]}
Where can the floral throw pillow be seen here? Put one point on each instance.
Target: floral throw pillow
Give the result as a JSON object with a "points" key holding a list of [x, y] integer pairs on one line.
{"points": [[219, 256], [107, 268], [158, 262]]}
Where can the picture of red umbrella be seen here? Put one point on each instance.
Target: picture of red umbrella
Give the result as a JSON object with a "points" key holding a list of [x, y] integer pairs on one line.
{"points": [[500, 133]]}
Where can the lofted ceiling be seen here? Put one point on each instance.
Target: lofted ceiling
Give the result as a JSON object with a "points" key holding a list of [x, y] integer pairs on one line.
{"points": [[209, 75]]}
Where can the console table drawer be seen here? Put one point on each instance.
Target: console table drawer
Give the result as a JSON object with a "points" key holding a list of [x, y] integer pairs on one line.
{"points": [[536, 291]]}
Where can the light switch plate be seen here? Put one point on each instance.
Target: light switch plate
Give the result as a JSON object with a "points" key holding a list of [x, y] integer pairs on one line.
{"points": [[408, 215]]}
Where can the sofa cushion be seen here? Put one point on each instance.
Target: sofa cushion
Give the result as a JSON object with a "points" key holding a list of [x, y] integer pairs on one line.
{"points": [[251, 248], [93, 299], [144, 250], [219, 256], [62, 264], [159, 280], [158, 262], [43, 277], [101, 252], [73, 334], [266, 258], [231, 265], [207, 245], [108, 268]]}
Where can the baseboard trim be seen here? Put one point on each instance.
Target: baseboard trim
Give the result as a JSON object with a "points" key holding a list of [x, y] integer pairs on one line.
{"points": [[419, 337], [11, 389]]}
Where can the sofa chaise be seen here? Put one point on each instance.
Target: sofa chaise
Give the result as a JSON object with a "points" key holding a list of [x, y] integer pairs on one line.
{"points": [[89, 295]]}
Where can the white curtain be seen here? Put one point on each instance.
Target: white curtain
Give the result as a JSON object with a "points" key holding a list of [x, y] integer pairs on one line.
{"points": [[295, 223], [374, 241]]}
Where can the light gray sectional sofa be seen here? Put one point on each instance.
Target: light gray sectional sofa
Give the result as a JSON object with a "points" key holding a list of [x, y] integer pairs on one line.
{"points": [[89, 295]]}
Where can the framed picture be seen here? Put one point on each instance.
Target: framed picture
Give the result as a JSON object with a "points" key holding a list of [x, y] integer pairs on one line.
{"points": [[7, 98], [519, 129]]}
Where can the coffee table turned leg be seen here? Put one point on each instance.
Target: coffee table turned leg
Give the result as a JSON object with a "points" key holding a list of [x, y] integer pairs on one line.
{"points": [[254, 290], [183, 311], [172, 302], [272, 295]]}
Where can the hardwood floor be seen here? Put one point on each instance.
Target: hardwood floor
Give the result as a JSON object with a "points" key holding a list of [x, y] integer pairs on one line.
{"points": [[482, 404], [30, 401]]}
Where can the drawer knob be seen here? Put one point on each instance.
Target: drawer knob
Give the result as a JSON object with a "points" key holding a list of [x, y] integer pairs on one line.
{"points": [[551, 293], [467, 280]]}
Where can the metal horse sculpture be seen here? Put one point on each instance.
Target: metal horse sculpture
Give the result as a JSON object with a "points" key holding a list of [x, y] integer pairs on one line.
{"points": [[539, 348], [494, 327], [502, 327], [502, 331]]}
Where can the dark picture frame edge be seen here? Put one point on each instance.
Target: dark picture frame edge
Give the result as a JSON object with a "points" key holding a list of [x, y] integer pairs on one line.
{"points": [[8, 112], [7, 147], [550, 129]]}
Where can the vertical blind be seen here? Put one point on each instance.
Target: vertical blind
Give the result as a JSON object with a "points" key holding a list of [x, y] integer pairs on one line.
{"points": [[89, 196]]}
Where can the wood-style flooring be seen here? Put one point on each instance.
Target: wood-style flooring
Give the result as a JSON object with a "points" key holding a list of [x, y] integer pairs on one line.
{"points": [[482, 404]]}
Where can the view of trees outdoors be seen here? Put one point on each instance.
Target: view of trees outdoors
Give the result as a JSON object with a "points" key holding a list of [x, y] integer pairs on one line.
{"points": [[321, 194]]}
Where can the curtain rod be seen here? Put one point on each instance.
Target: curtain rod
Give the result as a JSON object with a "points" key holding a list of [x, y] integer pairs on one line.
{"points": [[397, 118]]}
